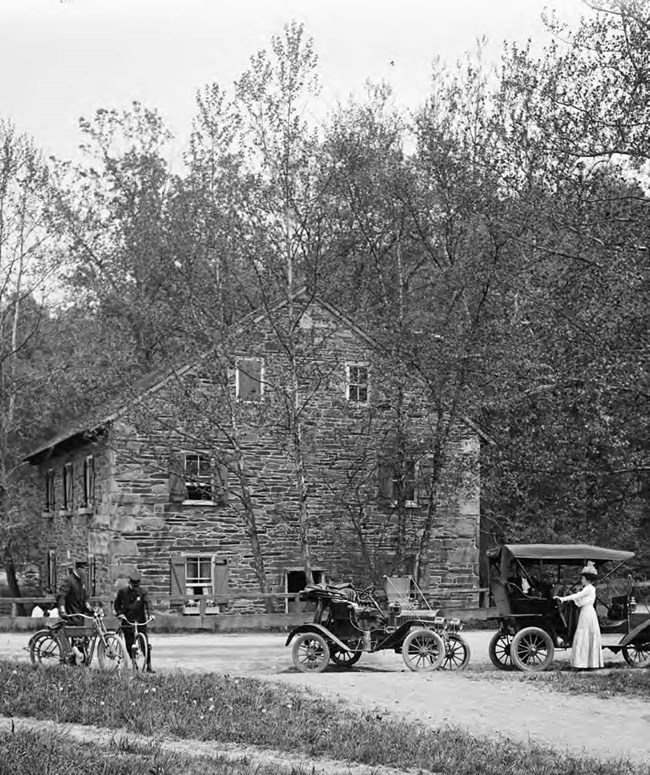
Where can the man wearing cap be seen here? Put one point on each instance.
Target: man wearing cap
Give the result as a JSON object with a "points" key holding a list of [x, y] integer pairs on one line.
{"points": [[72, 597], [132, 605]]}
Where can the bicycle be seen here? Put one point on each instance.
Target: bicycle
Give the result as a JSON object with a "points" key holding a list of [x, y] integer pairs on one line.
{"points": [[140, 648], [63, 643]]}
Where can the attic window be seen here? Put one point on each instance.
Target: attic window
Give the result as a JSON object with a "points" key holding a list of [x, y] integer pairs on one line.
{"points": [[357, 382], [198, 477], [249, 379]]}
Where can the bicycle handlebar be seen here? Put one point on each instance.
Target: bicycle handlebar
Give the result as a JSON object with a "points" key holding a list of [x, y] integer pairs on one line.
{"points": [[135, 624]]}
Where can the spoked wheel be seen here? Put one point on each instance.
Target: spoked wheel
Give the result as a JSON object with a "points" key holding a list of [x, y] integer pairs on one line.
{"points": [[310, 652], [344, 658], [44, 649], [457, 653], [500, 650], [423, 650], [532, 650], [139, 652], [112, 656], [637, 654]]}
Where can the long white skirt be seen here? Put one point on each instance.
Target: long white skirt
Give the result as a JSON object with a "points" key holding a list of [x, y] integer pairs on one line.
{"points": [[586, 650]]}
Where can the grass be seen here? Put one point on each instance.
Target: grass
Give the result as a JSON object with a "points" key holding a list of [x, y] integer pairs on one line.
{"points": [[251, 712], [618, 680], [59, 755]]}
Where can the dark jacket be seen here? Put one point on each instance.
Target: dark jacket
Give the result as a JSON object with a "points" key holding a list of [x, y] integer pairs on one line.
{"points": [[133, 602], [72, 596]]}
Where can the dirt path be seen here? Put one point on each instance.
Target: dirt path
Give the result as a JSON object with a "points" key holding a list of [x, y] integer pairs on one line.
{"points": [[579, 724]]}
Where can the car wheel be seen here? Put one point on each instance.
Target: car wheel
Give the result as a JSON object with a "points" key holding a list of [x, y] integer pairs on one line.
{"points": [[344, 658], [532, 650], [423, 650], [637, 654], [500, 651], [310, 652], [457, 653]]}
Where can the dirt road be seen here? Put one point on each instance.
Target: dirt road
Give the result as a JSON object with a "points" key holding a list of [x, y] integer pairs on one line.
{"points": [[606, 728]]}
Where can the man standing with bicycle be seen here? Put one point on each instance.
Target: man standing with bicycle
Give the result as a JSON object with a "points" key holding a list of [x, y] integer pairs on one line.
{"points": [[72, 600], [132, 605]]}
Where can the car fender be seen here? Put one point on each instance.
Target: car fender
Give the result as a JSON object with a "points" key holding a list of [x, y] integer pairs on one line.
{"points": [[632, 634], [321, 631]]}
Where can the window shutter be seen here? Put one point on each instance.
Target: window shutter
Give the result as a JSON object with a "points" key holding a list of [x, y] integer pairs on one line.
{"points": [[177, 489], [221, 483], [250, 380], [386, 475], [177, 575], [89, 481], [220, 576]]}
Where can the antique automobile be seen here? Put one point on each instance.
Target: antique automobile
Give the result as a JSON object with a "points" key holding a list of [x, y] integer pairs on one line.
{"points": [[532, 623], [348, 623]]}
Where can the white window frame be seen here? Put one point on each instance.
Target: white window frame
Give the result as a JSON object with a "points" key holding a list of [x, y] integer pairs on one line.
{"points": [[237, 372], [188, 482], [349, 384], [194, 608]]}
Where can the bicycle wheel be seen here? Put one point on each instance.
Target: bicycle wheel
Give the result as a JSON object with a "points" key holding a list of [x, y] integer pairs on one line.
{"points": [[44, 649], [139, 652], [112, 655]]}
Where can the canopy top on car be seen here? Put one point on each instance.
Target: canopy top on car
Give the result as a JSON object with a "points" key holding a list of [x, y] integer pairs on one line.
{"points": [[563, 554]]}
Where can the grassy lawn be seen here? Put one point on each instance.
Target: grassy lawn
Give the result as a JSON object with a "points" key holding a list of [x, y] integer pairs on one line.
{"points": [[59, 755], [251, 712], [616, 681]]}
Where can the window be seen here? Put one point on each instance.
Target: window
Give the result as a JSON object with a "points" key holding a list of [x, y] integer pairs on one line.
{"points": [[199, 576], [398, 484], [89, 481], [198, 477], [67, 487], [357, 382], [248, 379], [49, 491]]}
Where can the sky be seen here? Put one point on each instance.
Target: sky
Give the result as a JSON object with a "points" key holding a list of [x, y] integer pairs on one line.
{"points": [[64, 59]]}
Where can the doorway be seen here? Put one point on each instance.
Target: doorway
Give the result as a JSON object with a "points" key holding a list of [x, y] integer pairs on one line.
{"points": [[295, 581]]}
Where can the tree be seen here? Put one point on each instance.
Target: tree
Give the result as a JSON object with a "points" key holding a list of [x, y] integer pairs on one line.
{"points": [[28, 265]]}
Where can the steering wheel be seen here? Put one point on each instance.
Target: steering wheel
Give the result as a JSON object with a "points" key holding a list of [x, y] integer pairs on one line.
{"points": [[367, 591]]}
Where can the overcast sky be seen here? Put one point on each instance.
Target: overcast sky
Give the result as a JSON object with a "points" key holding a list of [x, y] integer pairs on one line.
{"points": [[62, 59]]}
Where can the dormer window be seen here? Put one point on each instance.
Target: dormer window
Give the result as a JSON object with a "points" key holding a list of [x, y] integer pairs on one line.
{"points": [[357, 382]]}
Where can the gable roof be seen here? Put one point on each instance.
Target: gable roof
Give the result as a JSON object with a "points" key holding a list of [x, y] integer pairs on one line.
{"points": [[91, 427]]}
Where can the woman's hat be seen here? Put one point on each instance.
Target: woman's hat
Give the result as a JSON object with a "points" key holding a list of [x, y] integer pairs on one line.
{"points": [[589, 569]]}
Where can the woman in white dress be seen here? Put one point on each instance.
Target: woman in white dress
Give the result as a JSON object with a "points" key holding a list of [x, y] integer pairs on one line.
{"points": [[586, 649]]}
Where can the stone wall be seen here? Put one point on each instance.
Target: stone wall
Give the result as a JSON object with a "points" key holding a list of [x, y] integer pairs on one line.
{"points": [[354, 533]]}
